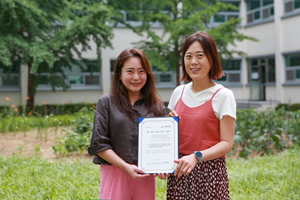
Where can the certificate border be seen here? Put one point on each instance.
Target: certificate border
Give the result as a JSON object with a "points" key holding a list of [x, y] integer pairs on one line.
{"points": [[141, 123]]}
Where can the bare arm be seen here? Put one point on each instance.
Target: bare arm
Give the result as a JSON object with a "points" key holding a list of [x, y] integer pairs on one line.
{"points": [[227, 129]]}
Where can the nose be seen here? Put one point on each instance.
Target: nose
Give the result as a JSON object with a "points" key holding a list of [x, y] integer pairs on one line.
{"points": [[135, 76], [194, 61]]}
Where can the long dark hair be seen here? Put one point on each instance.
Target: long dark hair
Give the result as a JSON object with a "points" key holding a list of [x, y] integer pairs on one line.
{"points": [[149, 92], [210, 50]]}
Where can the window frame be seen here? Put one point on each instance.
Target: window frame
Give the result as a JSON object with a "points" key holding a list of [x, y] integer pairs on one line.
{"points": [[291, 69], [68, 73], [261, 10], [229, 72], [10, 87]]}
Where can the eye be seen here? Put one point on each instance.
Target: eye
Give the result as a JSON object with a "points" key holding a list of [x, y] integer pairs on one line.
{"points": [[200, 55], [188, 56], [129, 71]]}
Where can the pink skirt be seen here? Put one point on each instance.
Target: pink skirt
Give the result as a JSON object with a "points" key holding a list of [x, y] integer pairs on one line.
{"points": [[117, 184]]}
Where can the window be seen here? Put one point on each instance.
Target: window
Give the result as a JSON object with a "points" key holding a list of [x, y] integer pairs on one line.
{"points": [[292, 63], [10, 76], [83, 76], [271, 71], [164, 79], [259, 10], [264, 68], [232, 70], [291, 5], [225, 15]]}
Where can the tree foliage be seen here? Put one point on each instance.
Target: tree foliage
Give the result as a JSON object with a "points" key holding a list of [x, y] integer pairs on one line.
{"points": [[40, 33], [180, 18]]}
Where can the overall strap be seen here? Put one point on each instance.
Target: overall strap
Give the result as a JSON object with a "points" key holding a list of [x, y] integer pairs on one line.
{"points": [[182, 91], [216, 93]]}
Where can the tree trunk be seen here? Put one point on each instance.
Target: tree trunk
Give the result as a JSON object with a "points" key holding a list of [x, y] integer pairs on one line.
{"points": [[30, 90]]}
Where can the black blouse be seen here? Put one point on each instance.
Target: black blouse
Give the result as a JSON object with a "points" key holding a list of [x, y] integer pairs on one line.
{"points": [[115, 130]]}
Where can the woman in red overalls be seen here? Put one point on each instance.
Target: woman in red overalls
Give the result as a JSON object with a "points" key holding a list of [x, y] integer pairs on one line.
{"points": [[207, 114]]}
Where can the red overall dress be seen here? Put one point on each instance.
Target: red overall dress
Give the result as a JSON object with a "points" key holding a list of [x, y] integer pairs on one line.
{"points": [[199, 130]]}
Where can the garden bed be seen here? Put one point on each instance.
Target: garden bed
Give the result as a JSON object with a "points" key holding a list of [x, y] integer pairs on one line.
{"points": [[31, 143]]}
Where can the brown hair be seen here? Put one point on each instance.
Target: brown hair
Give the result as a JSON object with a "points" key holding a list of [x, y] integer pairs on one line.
{"points": [[149, 92], [210, 50]]}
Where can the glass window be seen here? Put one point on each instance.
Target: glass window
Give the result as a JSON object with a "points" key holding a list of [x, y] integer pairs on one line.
{"points": [[257, 15], [271, 76], [253, 4], [237, 4], [293, 60], [297, 4], [165, 78], [9, 80], [224, 78], [298, 74], [112, 63], [231, 64], [224, 15], [42, 79], [75, 79], [267, 2], [219, 18], [259, 10], [131, 18], [10, 75], [232, 70], [86, 73]]}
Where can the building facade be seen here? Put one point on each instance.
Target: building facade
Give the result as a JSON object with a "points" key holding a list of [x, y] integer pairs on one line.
{"points": [[269, 72]]}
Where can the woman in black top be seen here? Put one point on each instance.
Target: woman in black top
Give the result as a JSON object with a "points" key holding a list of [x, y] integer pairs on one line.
{"points": [[115, 137]]}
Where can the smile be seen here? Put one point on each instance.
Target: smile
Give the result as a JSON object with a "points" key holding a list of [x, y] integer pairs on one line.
{"points": [[135, 84]]}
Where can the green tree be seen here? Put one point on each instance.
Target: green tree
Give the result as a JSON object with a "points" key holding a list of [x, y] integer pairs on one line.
{"points": [[40, 33], [180, 18]]}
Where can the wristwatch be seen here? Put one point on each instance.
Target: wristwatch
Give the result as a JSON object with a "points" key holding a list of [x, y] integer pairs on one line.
{"points": [[198, 155]]}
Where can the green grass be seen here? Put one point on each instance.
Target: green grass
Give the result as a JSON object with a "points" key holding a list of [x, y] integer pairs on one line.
{"points": [[267, 177], [35, 178]]}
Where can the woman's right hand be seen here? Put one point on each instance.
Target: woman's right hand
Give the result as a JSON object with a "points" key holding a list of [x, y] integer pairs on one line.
{"points": [[173, 113], [110, 156], [135, 172]]}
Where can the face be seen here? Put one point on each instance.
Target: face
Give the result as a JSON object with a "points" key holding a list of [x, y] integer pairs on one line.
{"points": [[196, 62], [133, 75]]}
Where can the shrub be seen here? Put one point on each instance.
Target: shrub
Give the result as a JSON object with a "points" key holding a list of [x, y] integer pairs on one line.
{"points": [[78, 136], [265, 132]]}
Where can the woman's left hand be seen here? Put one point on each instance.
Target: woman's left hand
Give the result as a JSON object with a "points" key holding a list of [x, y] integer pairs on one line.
{"points": [[185, 165]]}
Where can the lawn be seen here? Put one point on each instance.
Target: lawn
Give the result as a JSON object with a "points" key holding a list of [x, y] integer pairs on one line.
{"points": [[268, 177]]}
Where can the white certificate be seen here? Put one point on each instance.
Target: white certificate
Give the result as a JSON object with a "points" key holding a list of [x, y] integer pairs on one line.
{"points": [[158, 144]]}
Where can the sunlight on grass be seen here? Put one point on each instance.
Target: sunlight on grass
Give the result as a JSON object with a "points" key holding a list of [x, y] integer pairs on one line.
{"points": [[260, 178], [35, 178], [267, 177]]}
